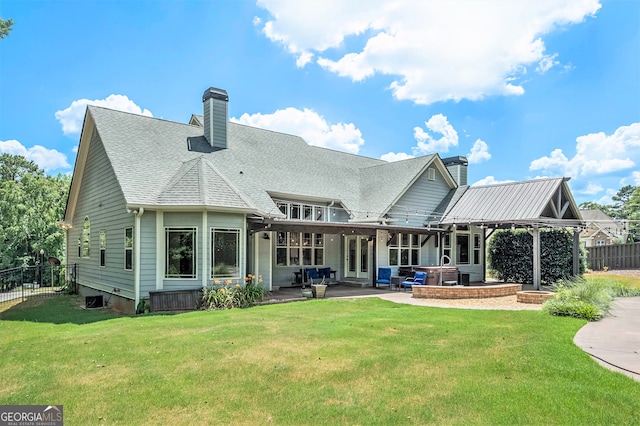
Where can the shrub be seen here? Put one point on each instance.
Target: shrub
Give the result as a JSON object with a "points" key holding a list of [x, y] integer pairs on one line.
{"points": [[624, 290], [510, 254], [590, 300], [227, 294]]}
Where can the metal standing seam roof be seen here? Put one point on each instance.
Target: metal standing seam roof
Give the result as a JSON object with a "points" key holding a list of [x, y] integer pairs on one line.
{"points": [[526, 201]]}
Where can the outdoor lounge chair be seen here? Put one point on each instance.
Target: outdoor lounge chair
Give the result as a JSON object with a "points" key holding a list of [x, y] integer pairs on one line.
{"points": [[312, 274], [384, 277], [324, 273], [418, 279]]}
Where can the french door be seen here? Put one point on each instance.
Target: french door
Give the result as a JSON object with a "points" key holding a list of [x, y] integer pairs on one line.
{"points": [[357, 257]]}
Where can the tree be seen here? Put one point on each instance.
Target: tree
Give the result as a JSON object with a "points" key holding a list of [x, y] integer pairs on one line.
{"points": [[13, 167], [31, 205], [5, 27], [633, 208]]}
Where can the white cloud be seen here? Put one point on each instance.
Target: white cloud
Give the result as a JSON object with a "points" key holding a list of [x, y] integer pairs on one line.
{"points": [[435, 50], [309, 125], [46, 159], [427, 144], [490, 180], [636, 178], [596, 154], [72, 117], [546, 63], [392, 156], [591, 189], [479, 152]]}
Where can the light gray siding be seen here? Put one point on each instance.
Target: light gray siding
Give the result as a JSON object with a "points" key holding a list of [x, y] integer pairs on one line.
{"points": [[147, 253], [102, 201], [215, 122], [420, 200], [265, 258]]}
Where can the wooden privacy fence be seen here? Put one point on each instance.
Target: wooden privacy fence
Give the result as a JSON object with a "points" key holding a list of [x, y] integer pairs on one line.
{"points": [[617, 256]]}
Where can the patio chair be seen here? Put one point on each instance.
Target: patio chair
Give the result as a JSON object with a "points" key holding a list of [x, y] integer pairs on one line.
{"points": [[418, 279], [311, 274], [384, 277], [324, 273]]}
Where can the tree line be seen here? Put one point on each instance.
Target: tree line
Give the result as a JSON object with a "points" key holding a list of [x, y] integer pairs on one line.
{"points": [[31, 206]]}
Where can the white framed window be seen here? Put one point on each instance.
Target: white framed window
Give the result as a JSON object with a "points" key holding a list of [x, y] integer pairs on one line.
{"points": [[299, 248], [86, 238], [181, 253], [306, 212], [477, 248], [431, 173], [128, 249], [446, 245], [404, 250], [225, 253], [600, 243], [103, 248]]}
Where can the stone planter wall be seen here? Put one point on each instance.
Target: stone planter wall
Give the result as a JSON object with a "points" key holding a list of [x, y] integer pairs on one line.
{"points": [[465, 292], [534, 296]]}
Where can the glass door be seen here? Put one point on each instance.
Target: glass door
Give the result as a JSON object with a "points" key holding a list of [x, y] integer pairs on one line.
{"points": [[357, 257]]}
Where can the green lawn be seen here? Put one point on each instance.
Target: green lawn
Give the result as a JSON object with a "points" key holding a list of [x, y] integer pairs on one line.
{"points": [[361, 361]]}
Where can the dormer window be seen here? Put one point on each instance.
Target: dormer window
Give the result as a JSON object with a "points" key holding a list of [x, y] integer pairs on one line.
{"points": [[300, 211]]}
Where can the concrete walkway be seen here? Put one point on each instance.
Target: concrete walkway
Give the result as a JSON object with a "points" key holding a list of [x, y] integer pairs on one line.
{"points": [[614, 341]]}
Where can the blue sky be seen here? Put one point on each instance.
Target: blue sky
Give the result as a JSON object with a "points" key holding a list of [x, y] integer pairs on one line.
{"points": [[524, 89]]}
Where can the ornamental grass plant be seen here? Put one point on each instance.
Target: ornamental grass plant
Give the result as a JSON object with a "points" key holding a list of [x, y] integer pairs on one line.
{"points": [[587, 298]]}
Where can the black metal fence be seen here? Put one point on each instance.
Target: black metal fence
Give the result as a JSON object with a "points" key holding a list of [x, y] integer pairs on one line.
{"points": [[37, 281], [618, 256]]}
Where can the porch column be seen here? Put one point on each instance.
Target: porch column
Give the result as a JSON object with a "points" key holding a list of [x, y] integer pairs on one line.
{"points": [[136, 255], [576, 252], [205, 248], [536, 258], [160, 249]]}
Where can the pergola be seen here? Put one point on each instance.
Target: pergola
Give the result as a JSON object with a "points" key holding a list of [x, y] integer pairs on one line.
{"points": [[532, 205]]}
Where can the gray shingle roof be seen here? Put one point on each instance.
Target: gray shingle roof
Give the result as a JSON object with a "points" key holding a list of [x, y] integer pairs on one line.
{"points": [[153, 163]]}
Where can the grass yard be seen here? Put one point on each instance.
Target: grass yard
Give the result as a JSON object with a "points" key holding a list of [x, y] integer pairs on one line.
{"points": [[361, 361]]}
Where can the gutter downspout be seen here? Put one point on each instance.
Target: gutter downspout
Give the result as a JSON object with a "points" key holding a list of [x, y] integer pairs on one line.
{"points": [[136, 260]]}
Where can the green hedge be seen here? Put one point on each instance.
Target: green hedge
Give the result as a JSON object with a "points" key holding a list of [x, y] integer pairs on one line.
{"points": [[510, 255]]}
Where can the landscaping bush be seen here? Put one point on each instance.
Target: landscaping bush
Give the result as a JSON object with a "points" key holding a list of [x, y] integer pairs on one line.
{"points": [[227, 294], [587, 299], [510, 255]]}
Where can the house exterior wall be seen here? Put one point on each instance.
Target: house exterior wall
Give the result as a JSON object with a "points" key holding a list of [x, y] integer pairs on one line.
{"points": [[283, 276], [430, 253], [592, 235], [204, 224], [101, 200], [262, 259], [475, 270], [147, 253], [420, 200]]}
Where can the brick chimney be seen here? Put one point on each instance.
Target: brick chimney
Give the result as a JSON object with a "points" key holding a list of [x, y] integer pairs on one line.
{"points": [[216, 113]]}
